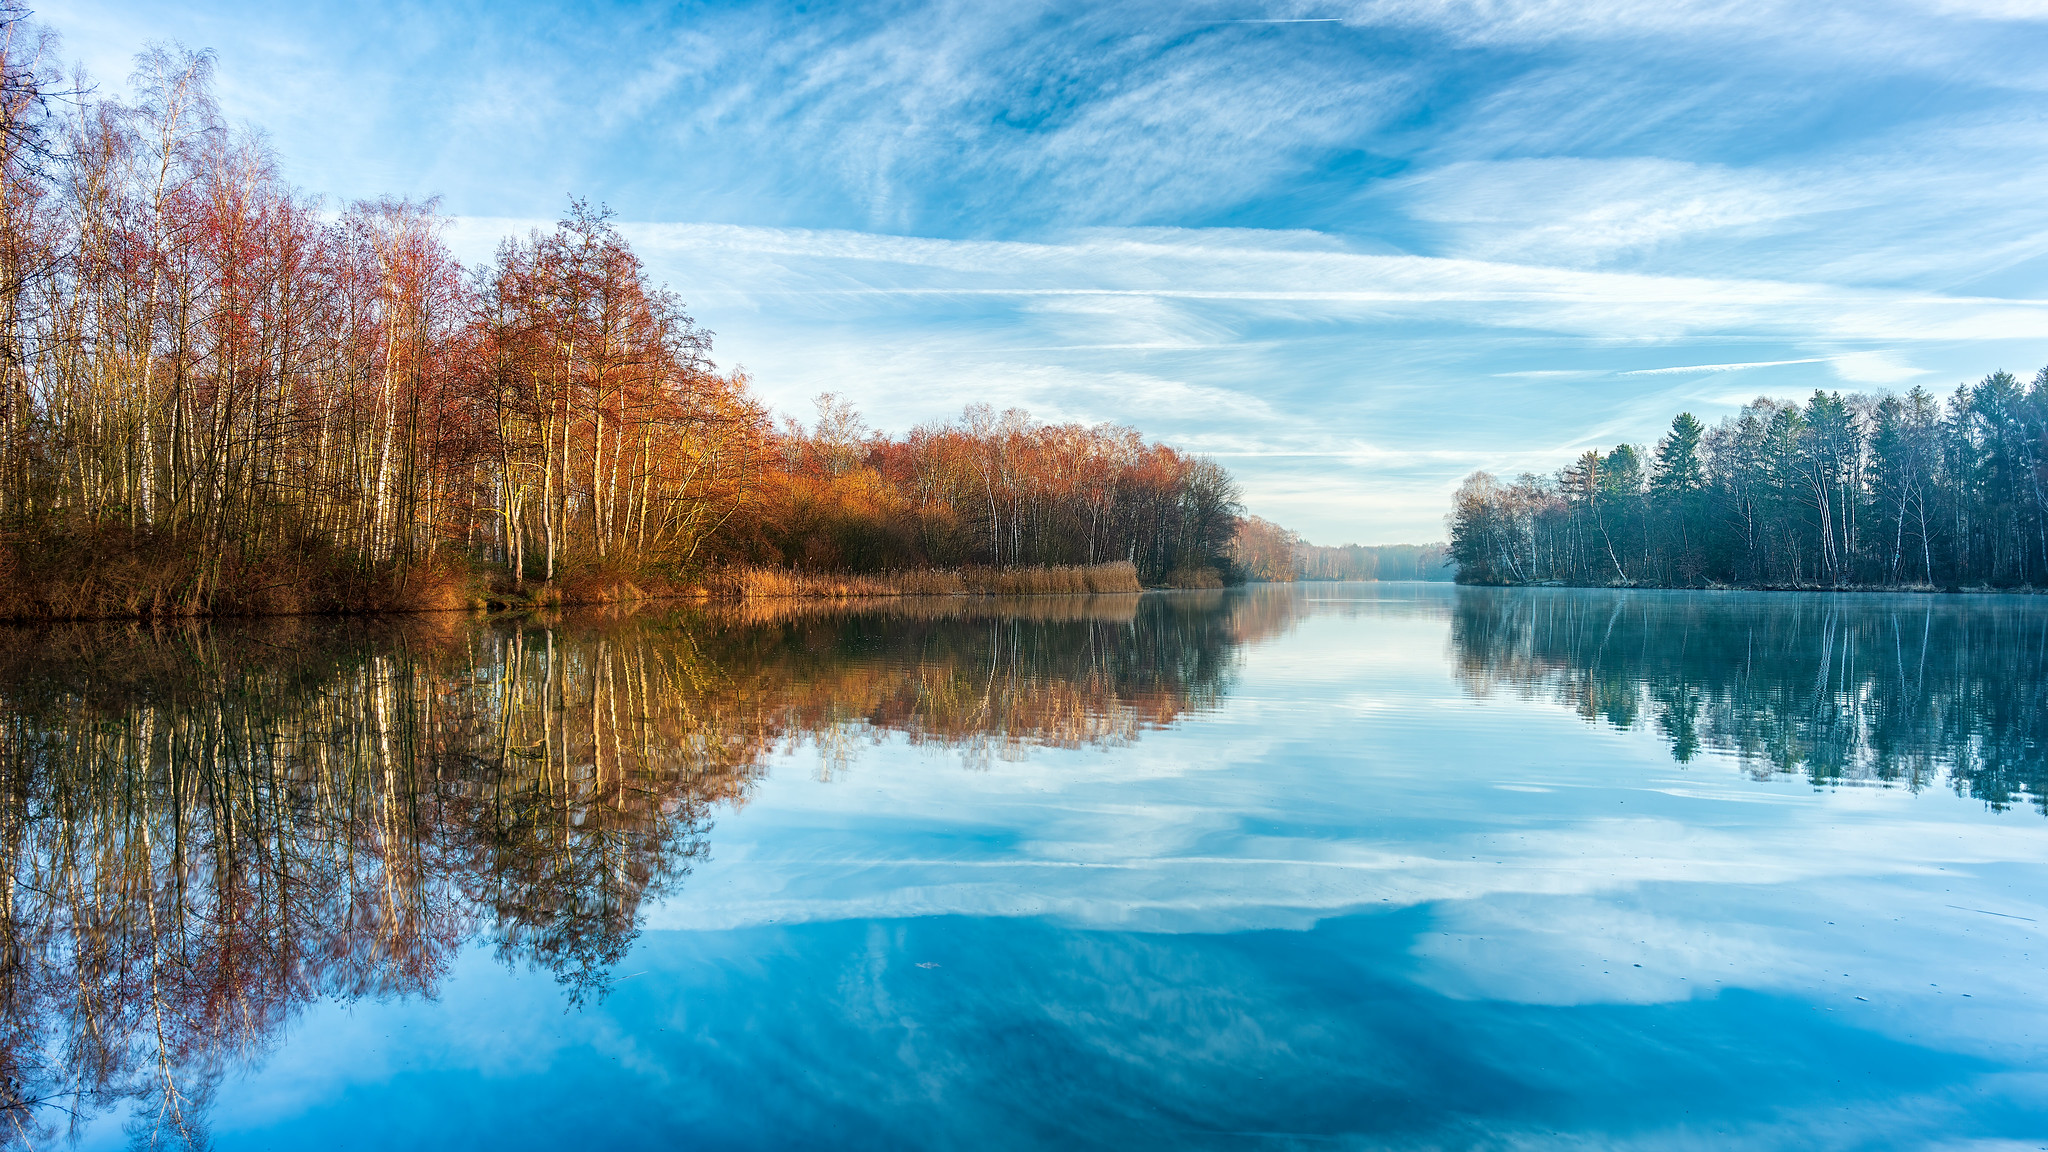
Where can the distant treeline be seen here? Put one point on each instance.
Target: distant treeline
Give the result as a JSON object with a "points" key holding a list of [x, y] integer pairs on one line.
{"points": [[1842, 491], [997, 489], [1263, 550], [218, 394], [1376, 562]]}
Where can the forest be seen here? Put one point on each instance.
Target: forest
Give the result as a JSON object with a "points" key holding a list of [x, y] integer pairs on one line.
{"points": [[220, 394], [1843, 491]]}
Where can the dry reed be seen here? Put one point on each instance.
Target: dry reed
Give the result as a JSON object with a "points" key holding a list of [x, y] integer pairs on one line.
{"points": [[785, 583], [1090, 607]]}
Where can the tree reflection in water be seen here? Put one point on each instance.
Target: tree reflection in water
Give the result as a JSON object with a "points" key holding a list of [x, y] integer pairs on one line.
{"points": [[205, 829], [1907, 690]]}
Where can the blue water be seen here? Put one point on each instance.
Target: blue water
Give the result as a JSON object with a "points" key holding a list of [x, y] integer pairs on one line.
{"points": [[1401, 866]]}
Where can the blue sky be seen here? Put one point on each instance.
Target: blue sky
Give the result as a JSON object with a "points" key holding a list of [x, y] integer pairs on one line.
{"points": [[1352, 249]]}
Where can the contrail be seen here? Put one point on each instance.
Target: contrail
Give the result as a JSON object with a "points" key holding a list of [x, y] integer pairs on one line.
{"points": [[1723, 367]]}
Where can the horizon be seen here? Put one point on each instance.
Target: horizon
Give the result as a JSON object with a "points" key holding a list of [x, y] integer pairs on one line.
{"points": [[1353, 253]]}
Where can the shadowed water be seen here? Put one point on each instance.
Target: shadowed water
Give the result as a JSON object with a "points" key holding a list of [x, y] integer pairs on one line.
{"points": [[1364, 865]]}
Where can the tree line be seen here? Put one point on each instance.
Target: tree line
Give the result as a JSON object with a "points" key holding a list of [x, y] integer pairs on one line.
{"points": [[217, 392], [1263, 550], [1375, 562], [1842, 491], [988, 488]]}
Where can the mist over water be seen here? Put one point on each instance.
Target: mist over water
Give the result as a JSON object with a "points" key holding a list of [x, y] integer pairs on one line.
{"points": [[1372, 864]]}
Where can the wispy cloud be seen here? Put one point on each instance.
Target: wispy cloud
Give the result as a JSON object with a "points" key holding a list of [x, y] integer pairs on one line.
{"points": [[1881, 367], [1278, 348], [1235, 266]]}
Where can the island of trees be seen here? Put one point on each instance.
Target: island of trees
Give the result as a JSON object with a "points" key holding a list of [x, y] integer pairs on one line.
{"points": [[1842, 491]]}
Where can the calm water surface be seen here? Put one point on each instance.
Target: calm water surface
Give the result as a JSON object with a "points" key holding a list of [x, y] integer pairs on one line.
{"points": [[1367, 865]]}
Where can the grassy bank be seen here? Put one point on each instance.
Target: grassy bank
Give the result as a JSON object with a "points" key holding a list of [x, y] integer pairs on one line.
{"points": [[122, 575], [117, 575]]}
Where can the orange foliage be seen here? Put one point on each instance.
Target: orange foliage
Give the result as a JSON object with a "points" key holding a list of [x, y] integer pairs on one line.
{"points": [[985, 490], [217, 397]]}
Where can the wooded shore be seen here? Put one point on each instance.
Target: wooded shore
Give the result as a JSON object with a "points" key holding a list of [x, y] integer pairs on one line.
{"points": [[1844, 491], [220, 396]]}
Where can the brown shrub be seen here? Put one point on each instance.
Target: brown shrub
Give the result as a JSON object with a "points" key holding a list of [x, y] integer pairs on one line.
{"points": [[1194, 578], [439, 587]]}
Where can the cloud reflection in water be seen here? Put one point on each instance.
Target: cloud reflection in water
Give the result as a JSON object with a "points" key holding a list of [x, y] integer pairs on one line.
{"points": [[1285, 866]]}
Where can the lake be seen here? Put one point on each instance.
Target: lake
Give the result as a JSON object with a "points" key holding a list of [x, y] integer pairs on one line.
{"points": [[1351, 865]]}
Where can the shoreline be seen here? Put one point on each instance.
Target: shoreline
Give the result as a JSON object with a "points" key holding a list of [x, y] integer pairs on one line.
{"points": [[1874, 589], [441, 592]]}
